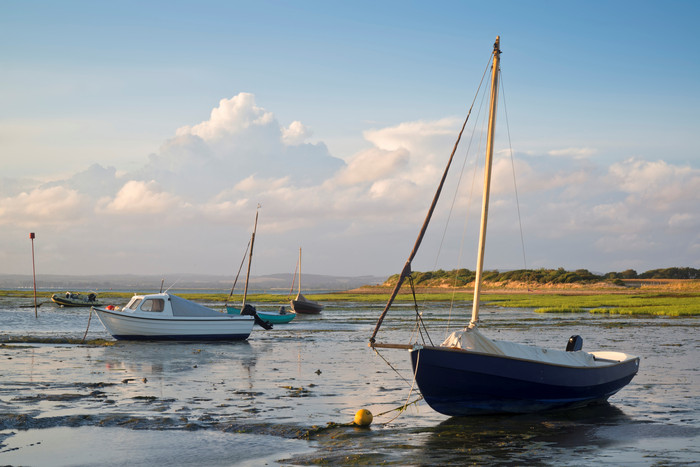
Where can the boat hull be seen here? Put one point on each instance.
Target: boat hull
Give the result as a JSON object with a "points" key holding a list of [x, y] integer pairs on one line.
{"points": [[306, 307], [459, 383], [270, 317], [125, 326], [67, 302]]}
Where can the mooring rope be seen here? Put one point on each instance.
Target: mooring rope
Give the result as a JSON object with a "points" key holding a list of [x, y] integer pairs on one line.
{"points": [[88, 327]]}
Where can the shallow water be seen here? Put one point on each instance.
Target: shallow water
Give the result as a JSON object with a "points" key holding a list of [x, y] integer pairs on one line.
{"points": [[285, 396]]}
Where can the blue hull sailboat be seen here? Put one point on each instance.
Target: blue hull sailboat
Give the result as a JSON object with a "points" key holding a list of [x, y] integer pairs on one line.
{"points": [[463, 382], [470, 374]]}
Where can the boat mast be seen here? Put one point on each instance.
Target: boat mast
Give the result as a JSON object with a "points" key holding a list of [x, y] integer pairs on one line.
{"points": [[299, 270], [487, 182], [250, 258]]}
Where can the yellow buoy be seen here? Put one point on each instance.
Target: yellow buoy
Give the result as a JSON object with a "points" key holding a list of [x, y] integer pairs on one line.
{"points": [[363, 417]]}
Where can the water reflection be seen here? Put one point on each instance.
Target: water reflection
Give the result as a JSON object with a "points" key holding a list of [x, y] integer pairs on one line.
{"points": [[567, 429]]}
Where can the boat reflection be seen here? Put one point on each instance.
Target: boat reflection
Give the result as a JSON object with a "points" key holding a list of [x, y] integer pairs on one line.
{"points": [[171, 360], [522, 438]]}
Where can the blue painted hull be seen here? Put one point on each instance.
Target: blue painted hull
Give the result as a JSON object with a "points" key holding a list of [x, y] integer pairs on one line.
{"points": [[459, 383], [270, 317]]}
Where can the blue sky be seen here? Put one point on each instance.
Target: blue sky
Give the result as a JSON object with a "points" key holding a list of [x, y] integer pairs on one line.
{"points": [[140, 136]]}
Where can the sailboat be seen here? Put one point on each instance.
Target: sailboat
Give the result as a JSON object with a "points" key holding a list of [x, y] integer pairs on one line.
{"points": [[302, 304], [471, 374], [246, 308]]}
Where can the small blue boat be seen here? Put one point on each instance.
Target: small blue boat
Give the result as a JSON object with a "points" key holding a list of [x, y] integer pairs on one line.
{"points": [[281, 316]]}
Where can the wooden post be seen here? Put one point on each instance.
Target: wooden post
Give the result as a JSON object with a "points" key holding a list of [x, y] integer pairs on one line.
{"points": [[31, 237]]}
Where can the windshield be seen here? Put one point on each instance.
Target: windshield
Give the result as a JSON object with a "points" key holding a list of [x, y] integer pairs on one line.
{"points": [[134, 303]]}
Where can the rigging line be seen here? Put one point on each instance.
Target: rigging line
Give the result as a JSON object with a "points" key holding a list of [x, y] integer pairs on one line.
{"points": [[464, 162], [419, 319], [173, 284], [410, 391], [238, 274], [407, 266], [512, 162], [466, 157], [471, 193], [294, 278], [416, 330], [390, 366]]}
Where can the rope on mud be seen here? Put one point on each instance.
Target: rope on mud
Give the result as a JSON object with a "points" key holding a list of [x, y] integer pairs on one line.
{"points": [[391, 366], [401, 409], [88, 327]]}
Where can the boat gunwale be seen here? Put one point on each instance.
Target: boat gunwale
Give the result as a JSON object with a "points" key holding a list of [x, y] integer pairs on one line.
{"points": [[131, 315], [605, 363]]}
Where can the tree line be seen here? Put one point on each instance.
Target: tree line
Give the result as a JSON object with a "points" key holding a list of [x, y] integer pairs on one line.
{"points": [[463, 277]]}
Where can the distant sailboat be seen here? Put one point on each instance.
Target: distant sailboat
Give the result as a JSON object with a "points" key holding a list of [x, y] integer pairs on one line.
{"points": [[301, 304], [246, 308], [470, 373]]}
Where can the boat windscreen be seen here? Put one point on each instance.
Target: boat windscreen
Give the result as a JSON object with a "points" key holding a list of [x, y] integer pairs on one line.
{"points": [[134, 303]]}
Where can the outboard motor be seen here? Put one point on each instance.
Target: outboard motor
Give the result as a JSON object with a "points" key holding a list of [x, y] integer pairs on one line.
{"points": [[575, 343], [249, 310]]}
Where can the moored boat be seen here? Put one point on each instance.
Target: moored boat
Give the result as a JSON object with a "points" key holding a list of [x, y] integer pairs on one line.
{"points": [[302, 304], [246, 308], [165, 316], [75, 299], [470, 373], [281, 316], [305, 306]]}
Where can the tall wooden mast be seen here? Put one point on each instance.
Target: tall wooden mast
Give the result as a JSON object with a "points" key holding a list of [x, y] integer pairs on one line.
{"points": [[250, 259], [487, 182]]}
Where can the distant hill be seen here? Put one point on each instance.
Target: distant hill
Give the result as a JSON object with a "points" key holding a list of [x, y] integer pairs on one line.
{"points": [[129, 282]]}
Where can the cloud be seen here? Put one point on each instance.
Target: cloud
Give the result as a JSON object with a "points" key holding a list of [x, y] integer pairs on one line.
{"points": [[373, 164], [296, 133], [422, 138], [657, 184], [138, 197], [48, 206], [198, 194], [232, 116], [239, 139], [576, 153]]}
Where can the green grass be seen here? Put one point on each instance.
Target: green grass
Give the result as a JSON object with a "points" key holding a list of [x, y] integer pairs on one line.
{"points": [[660, 304], [652, 303]]}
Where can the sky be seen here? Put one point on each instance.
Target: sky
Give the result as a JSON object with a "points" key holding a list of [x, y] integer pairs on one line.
{"points": [[141, 137]]}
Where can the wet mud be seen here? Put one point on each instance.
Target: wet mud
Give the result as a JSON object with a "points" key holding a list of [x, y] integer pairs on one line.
{"points": [[287, 396]]}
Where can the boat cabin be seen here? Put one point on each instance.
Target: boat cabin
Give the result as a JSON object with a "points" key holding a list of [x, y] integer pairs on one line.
{"points": [[168, 305]]}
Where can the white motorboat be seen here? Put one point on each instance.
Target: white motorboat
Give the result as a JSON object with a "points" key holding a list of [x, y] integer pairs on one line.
{"points": [[166, 316]]}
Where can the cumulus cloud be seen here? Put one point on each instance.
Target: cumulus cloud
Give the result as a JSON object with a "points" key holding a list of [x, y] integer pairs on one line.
{"points": [[657, 184], [239, 139], [52, 206], [422, 137], [210, 176], [373, 164], [137, 197], [235, 115], [295, 133]]}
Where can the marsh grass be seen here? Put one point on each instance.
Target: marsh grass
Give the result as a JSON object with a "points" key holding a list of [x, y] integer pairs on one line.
{"points": [[642, 303], [659, 304]]}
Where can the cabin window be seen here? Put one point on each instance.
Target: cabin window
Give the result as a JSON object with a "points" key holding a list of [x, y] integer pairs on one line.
{"points": [[155, 304], [134, 303]]}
